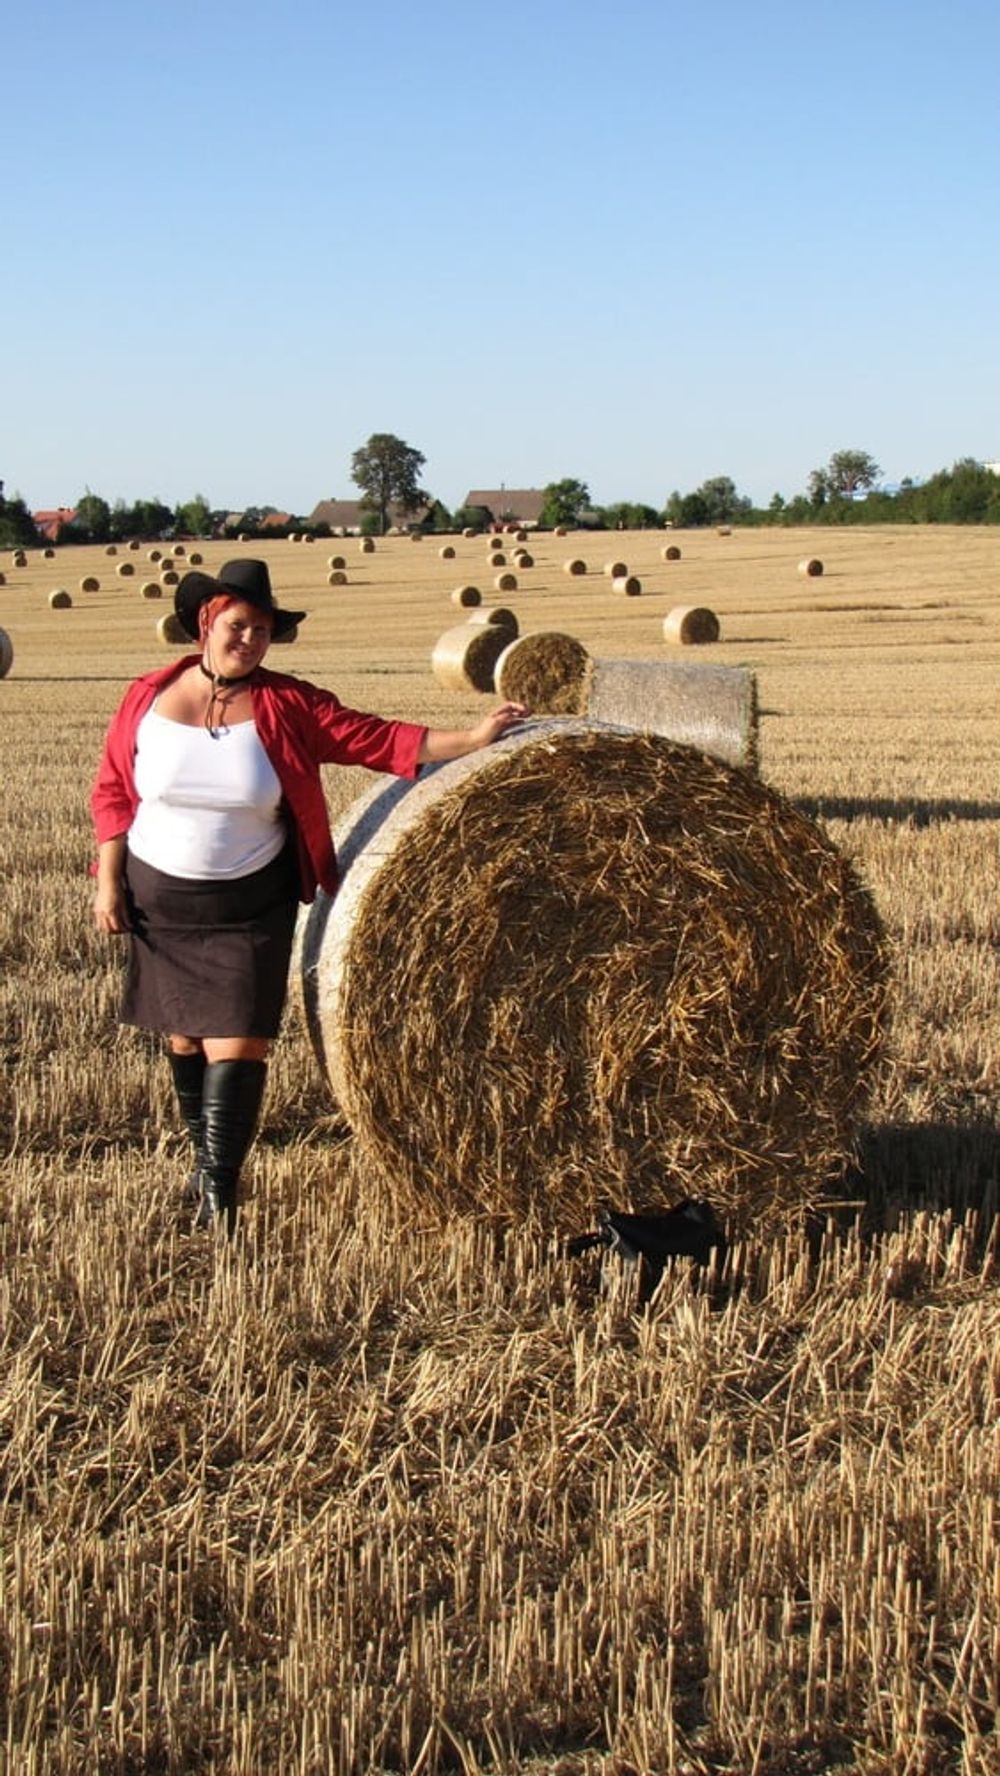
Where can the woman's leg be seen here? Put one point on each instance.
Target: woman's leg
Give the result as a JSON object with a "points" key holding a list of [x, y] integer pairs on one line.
{"points": [[186, 1058], [232, 1092]]}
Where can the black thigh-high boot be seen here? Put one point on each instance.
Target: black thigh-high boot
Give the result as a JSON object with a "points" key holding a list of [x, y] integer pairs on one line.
{"points": [[230, 1104], [189, 1080]]}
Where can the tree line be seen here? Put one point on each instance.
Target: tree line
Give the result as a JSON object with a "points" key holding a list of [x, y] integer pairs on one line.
{"points": [[387, 472]]}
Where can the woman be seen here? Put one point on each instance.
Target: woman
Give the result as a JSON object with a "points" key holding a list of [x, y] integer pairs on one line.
{"points": [[211, 826]]}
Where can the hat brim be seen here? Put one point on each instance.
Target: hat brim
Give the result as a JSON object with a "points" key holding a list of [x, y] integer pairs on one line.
{"points": [[196, 588]]}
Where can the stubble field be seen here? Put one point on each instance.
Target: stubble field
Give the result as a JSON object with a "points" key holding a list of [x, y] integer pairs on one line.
{"points": [[356, 1495]]}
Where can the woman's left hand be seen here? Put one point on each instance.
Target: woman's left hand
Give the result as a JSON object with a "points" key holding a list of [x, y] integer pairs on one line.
{"points": [[497, 722]]}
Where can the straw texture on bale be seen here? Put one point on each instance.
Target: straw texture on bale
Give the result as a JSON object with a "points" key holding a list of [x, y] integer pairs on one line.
{"points": [[574, 566], [467, 596], [170, 631], [629, 584], [586, 965], [505, 582], [545, 671], [336, 577], [691, 624], [615, 570], [496, 616], [6, 653], [90, 583], [125, 569], [671, 552], [463, 658], [711, 707], [59, 600], [811, 567], [151, 589]]}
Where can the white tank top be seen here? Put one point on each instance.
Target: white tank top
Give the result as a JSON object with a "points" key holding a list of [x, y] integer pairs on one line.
{"points": [[209, 804]]}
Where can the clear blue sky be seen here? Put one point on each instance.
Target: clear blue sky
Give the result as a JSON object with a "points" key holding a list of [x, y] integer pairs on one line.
{"points": [[638, 244]]}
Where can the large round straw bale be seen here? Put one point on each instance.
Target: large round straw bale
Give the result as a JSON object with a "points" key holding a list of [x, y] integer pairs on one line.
{"points": [[169, 577], [19, 558], [111, 549], [545, 671], [335, 561], [90, 583], [711, 707], [629, 584], [467, 596], [151, 589], [574, 565], [367, 546], [447, 552], [497, 558], [170, 632], [6, 653], [605, 967], [463, 658], [690, 624], [615, 570], [154, 555], [671, 552], [505, 582], [811, 567], [125, 569], [195, 558], [337, 577], [496, 616], [49, 554], [59, 600]]}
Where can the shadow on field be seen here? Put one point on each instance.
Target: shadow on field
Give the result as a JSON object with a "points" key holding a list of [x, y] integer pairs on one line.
{"points": [[911, 810], [935, 1166]]}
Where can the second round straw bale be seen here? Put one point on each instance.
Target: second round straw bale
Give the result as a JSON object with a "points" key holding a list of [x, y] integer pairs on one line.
{"points": [[464, 658]]}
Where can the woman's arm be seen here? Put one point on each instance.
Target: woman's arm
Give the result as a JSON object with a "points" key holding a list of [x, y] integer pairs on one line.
{"points": [[110, 910], [440, 744]]}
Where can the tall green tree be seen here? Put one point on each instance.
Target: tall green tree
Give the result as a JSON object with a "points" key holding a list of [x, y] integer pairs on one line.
{"points": [[194, 518], [17, 527], [563, 501], [387, 471], [93, 518], [849, 472]]}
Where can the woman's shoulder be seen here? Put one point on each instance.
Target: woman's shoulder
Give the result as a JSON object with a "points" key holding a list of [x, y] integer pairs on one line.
{"points": [[287, 688]]}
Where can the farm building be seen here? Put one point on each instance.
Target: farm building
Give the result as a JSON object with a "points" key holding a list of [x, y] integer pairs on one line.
{"points": [[509, 505]]}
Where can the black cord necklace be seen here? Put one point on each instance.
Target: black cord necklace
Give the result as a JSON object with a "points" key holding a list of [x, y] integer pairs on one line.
{"points": [[220, 685]]}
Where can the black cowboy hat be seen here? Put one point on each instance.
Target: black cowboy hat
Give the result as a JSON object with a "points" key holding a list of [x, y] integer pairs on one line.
{"points": [[247, 580]]}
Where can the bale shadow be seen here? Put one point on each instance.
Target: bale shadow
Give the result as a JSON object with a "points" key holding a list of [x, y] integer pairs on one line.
{"points": [[908, 810], [937, 1166]]}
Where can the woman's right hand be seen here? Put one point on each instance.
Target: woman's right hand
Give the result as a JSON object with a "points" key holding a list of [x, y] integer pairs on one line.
{"points": [[111, 907]]}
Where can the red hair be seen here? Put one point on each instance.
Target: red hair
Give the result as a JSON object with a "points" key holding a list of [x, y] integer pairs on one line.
{"points": [[213, 607]]}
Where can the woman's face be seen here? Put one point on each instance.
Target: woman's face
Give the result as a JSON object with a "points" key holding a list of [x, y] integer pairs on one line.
{"points": [[239, 638]]}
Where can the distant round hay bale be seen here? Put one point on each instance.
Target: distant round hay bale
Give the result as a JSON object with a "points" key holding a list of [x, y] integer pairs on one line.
{"points": [[90, 583], [367, 546], [3, 579], [463, 658], [725, 530], [637, 974], [307, 537], [293, 536], [505, 582], [178, 549], [154, 555], [561, 530], [111, 549], [243, 537], [691, 624], [133, 542], [447, 552], [59, 600], [336, 577], [470, 531], [195, 559], [615, 570], [170, 631], [520, 536], [169, 577], [496, 616], [49, 554], [151, 589], [467, 596], [6, 653], [19, 558], [574, 565], [629, 584], [671, 552], [416, 536], [811, 567], [545, 671], [522, 559], [125, 569], [335, 561], [497, 558]]}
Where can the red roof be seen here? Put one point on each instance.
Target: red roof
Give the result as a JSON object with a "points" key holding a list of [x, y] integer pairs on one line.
{"points": [[48, 523]]}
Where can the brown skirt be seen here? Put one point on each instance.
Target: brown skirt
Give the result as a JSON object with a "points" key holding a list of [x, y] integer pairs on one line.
{"points": [[209, 958]]}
